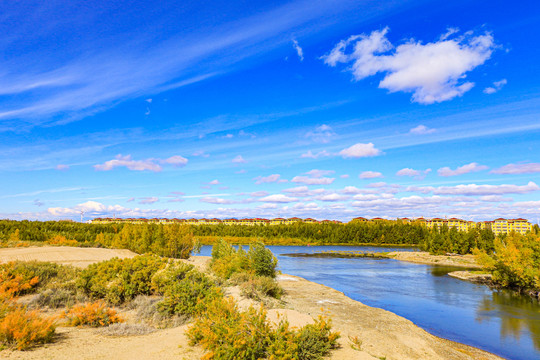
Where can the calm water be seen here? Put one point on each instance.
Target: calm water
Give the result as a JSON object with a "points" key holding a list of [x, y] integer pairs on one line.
{"points": [[496, 321]]}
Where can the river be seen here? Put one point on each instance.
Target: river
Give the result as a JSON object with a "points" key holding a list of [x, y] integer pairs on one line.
{"points": [[494, 320]]}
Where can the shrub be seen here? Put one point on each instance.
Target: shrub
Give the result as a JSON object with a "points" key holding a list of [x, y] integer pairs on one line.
{"points": [[257, 287], [261, 260], [165, 278], [146, 308], [18, 278], [93, 314], [315, 340], [23, 329], [56, 298], [228, 333], [61, 240], [190, 295], [120, 280], [227, 261]]}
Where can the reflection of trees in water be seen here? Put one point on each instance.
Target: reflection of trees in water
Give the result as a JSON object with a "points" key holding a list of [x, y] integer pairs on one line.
{"points": [[517, 313]]}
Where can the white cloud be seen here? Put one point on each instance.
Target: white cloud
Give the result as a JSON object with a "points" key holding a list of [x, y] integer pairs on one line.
{"points": [[421, 130], [148, 100], [370, 175], [312, 181], [321, 134], [269, 179], [311, 155], [418, 174], [176, 160], [239, 160], [360, 150], [497, 85], [259, 193], [433, 72], [216, 200], [128, 162], [201, 153], [298, 49], [332, 197], [304, 191], [151, 164], [477, 190], [278, 198], [472, 167], [316, 173], [345, 176], [526, 168], [214, 182], [148, 200]]}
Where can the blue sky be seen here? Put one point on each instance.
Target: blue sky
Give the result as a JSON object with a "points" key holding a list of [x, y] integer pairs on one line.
{"points": [[323, 109]]}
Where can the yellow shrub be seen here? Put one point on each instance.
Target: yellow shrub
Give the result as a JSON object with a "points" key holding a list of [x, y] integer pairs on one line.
{"points": [[93, 314], [22, 329]]}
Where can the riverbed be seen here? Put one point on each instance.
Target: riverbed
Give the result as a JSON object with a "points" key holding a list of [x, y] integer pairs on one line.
{"points": [[494, 320]]}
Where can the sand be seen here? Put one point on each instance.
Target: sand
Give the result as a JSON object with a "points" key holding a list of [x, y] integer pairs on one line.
{"points": [[65, 255], [384, 335], [420, 257]]}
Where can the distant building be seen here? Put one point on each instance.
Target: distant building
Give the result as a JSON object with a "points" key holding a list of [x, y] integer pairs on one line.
{"points": [[498, 226]]}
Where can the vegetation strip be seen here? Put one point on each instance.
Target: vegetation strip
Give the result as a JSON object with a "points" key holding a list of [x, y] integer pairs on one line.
{"points": [[340, 254]]}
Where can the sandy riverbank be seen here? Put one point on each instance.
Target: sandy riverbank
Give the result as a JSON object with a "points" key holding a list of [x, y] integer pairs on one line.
{"points": [[421, 257], [383, 334]]}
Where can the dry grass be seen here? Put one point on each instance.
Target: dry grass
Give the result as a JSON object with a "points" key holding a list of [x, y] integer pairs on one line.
{"points": [[124, 329]]}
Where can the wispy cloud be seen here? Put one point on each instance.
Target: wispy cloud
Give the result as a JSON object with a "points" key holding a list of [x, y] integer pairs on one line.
{"points": [[321, 134], [90, 82], [239, 160], [497, 85], [421, 130], [140, 165], [433, 72], [525, 168], [311, 155], [474, 189], [299, 50], [148, 200], [418, 174], [472, 167], [312, 181], [269, 179]]}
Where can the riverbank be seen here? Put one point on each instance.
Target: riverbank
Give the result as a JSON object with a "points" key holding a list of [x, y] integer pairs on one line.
{"points": [[421, 257], [381, 334]]}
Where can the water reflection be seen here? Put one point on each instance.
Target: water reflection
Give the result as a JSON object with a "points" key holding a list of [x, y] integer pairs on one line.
{"points": [[520, 315]]}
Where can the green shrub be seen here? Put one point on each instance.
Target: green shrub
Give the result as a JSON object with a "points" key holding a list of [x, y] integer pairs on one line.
{"points": [[227, 333], [120, 280], [190, 295], [261, 260], [226, 260], [257, 287], [165, 278]]}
